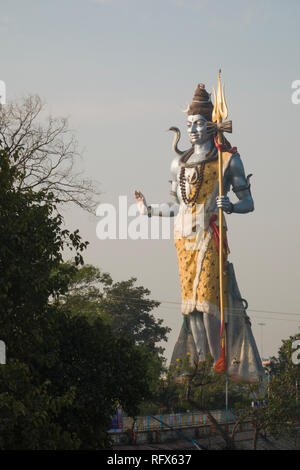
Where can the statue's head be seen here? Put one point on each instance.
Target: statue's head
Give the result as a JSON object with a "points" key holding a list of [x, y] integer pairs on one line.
{"points": [[199, 112]]}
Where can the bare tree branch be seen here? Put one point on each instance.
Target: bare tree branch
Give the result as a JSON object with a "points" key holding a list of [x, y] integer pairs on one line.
{"points": [[200, 378], [47, 153]]}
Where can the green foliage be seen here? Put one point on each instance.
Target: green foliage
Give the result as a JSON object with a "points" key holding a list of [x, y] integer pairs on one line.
{"points": [[103, 370], [283, 364], [124, 306], [203, 384], [65, 374], [29, 412], [31, 243], [278, 410]]}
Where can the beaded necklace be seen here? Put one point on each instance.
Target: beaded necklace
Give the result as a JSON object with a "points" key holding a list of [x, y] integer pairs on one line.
{"points": [[199, 178]]}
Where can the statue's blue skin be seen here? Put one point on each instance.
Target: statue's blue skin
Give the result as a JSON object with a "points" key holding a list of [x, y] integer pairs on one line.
{"points": [[234, 175]]}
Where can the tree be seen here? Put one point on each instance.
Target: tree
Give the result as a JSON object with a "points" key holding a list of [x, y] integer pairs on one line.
{"points": [[103, 370], [64, 376], [47, 152], [199, 377], [278, 410], [284, 362], [271, 412], [29, 412], [31, 245], [123, 305], [63, 397], [204, 390]]}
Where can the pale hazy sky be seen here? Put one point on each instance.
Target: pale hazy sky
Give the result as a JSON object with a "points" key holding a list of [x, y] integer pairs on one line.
{"points": [[121, 70]]}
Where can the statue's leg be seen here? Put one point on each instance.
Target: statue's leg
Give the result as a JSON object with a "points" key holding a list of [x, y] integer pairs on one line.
{"points": [[212, 328], [197, 327]]}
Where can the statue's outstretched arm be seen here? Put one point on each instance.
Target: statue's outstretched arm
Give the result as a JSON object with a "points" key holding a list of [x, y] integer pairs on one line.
{"points": [[168, 209]]}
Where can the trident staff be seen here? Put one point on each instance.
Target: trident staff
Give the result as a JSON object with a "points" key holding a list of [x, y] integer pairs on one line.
{"points": [[220, 113]]}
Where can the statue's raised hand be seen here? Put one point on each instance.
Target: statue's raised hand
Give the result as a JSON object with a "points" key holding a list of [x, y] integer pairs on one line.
{"points": [[141, 202]]}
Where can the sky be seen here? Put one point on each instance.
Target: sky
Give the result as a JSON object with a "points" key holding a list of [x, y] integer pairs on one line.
{"points": [[121, 71]]}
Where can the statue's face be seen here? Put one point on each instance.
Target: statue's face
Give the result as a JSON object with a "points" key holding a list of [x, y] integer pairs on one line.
{"points": [[196, 128]]}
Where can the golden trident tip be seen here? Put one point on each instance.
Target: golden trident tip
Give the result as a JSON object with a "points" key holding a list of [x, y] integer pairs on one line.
{"points": [[220, 110]]}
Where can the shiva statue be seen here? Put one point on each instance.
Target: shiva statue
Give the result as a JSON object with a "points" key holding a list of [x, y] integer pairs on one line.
{"points": [[196, 204]]}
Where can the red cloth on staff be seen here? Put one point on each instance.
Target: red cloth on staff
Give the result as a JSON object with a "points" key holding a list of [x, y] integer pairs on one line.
{"points": [[220, 365], [215, 230], [223, 147]]}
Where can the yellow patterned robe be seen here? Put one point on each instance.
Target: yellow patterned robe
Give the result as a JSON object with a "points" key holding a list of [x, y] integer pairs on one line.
{"points": [[197, 253]]}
